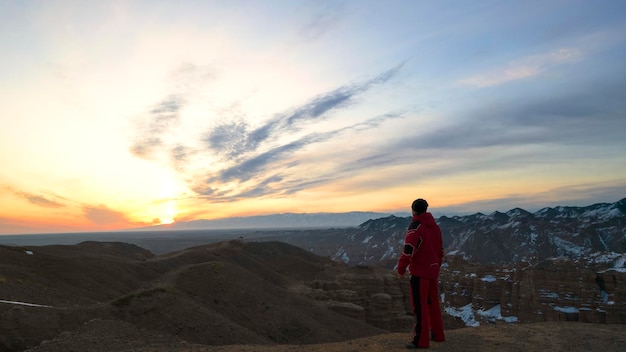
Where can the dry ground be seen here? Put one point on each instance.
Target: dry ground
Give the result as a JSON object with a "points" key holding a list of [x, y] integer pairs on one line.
{"points": [[100, 336]]}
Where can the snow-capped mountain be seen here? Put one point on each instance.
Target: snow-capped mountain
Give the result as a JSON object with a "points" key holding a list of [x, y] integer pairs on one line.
{"points": [[514, 236], [518, 235]]}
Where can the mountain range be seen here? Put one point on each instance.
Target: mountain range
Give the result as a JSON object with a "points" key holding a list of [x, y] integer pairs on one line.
{"points": [[277, 221], [514, 236]]}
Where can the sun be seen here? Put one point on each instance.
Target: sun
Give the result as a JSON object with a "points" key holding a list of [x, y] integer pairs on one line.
{"points": [[166, 209], [169, 213], [167, 221]]}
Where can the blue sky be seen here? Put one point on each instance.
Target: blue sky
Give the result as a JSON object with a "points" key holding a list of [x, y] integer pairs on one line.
{"points": [[125, 113]]}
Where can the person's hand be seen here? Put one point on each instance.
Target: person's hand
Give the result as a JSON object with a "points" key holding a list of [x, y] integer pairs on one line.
{"points": [[400, 276]]}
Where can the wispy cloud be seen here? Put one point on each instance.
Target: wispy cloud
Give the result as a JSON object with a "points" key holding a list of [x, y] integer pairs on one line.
{"points": [[273, 159], [229, 139], [238, 145], [254, 156], [529, 131], [577, 116], [102, 215], [36, 199], [323, 20], [234, 138], [162, 117], [262, 188], [179, 155], [524, 68], [247, 169], [188, 76]]}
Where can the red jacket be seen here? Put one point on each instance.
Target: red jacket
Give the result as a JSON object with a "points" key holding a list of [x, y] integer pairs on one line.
{"points": [[423, 248]]}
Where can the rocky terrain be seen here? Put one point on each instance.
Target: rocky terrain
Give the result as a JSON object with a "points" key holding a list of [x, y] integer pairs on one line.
{"points": [[552, 290], [233, 296]]}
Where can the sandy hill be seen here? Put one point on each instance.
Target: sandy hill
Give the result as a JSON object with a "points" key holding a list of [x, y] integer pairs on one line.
{"points": [[228, 296], [218, 294]]}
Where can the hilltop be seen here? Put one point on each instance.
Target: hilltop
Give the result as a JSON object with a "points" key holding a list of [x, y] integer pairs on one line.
{"points": [[213, 294]]}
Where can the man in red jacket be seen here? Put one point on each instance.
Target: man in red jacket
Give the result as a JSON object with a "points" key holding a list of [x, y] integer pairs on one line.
{"points": [[423, 254]]}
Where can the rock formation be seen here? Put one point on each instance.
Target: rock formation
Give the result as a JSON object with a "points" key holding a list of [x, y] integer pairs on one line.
{"points": [[552, 290], [370, 294]]}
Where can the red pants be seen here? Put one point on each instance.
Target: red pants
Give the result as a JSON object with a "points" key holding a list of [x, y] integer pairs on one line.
{"points": [[427, 310]]}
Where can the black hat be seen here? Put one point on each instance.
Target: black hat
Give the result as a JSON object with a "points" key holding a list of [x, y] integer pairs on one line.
{"points": [[419, 206]]}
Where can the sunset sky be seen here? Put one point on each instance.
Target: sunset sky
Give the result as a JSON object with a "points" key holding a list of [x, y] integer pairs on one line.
{"points": [[120, 114]]}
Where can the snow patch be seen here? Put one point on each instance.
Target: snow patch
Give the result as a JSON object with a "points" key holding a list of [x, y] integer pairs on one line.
{"points": [[566, 309], [342, 255], [510, 224], [569, 247], [466, 313], [489, 278], [606, 247], [510, 319], [618, 259], [494, 313], [548, 294], [390, 253], [605, 296], [23, 303]]}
